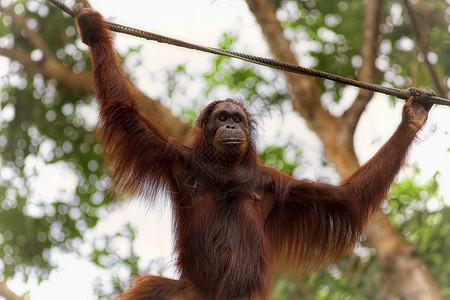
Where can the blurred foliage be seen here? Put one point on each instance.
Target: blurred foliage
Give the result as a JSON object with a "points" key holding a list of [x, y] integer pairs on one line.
{"points": [[242, 77], [48, 132], [173, 79], [420, 214], [107, 255], [49, 127], [273, 156], [331, 31]]}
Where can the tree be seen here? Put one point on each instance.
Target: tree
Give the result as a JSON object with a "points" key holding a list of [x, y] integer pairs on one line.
{"points": [[47, 94], [336, 133]]}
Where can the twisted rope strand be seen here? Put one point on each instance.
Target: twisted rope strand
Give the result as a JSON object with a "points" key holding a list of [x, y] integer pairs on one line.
{"points": [[268, 62]]}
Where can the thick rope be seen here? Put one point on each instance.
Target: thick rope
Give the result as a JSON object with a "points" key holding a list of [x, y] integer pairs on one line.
{"points": [[268, 62]]}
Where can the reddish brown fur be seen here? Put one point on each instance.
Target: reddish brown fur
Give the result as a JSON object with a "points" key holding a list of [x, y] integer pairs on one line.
{"points": [[156, 287], [232, 222]]}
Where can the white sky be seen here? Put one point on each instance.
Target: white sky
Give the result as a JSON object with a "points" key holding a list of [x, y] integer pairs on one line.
{"points": [[203, 22]]}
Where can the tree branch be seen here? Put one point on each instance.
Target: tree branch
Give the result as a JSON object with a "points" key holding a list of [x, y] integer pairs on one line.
{"points": [[83, 83], [34, 38], [50, 69], [332, 131], [7, 293], [434, 15], [305, 91], [369, 52], [422, 47]]}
